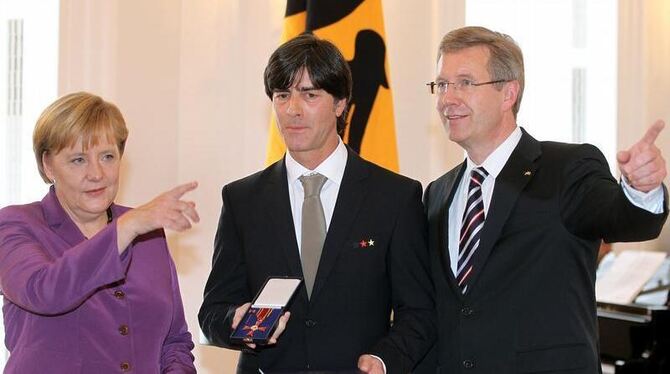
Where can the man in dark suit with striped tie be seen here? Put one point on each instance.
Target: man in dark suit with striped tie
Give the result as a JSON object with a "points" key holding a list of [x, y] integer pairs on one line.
{"points": [[514, 230]]}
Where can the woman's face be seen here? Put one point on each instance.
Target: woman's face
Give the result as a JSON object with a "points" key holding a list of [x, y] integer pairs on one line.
{"points": [[86, 181]]}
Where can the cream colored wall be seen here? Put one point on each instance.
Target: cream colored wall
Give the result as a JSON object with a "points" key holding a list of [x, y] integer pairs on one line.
{"points": [[188, 77], [644, 82], [222, 128], [414, 30]]}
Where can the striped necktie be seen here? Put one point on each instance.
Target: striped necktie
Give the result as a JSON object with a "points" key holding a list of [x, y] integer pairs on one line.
{"points": [[471, 227]]}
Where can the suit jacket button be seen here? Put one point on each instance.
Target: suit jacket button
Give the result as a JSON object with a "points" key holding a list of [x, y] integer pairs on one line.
{"points": [[466, 312], [310, 323], [119, 294], [123, 330], [468, 364], [124, 366]]}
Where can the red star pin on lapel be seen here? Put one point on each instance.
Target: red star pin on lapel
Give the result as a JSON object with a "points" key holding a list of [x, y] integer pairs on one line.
{"points": [[363, 243]]}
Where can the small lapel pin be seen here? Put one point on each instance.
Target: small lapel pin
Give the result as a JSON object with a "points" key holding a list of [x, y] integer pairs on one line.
{"points": [[364, 243], [527, 173]]}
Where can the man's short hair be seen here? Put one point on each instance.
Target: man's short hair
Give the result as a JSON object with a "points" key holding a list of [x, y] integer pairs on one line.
{"points": [[506, 58], [325, 64]]}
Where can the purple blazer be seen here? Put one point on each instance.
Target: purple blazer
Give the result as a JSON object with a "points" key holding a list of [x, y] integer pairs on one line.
{"points": [[73, 305]]}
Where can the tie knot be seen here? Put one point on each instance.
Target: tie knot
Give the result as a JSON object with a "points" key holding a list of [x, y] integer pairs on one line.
{"points": [[312, 184], [479, 174]]}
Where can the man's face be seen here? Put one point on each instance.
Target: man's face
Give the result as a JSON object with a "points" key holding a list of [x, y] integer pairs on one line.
{"points": [[471, 115], [307, 119]]}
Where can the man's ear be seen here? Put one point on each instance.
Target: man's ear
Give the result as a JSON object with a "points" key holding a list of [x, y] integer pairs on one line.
{"points": [[340, 105], [511, 94]]}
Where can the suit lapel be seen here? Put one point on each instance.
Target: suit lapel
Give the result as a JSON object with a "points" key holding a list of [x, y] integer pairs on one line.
{"points": [[512, 179], [445, 196], [278, 207], [349, 201]]}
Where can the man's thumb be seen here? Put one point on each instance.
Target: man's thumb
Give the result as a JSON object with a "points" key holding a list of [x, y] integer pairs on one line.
{"points": [[623, 157]]}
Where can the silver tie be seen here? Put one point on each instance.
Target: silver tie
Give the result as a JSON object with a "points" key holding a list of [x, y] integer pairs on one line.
{"points": [[313, 228]]}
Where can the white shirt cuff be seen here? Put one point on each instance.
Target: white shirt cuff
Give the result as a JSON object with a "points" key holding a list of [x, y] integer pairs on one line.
{"points": [[382, 361], [651, 201]]}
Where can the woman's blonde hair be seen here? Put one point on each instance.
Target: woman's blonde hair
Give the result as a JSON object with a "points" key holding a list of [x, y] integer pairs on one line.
{"points": [[79, 115]]}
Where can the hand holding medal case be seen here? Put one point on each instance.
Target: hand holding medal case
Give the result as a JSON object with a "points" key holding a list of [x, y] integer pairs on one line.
{"points": [[260, 321]]}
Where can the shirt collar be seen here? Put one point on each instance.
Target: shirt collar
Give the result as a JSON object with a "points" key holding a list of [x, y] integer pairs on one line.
{"points": [[332, 167], [498, 158]]}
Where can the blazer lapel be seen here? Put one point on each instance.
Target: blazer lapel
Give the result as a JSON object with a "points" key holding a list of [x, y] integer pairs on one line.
{"points": [[445, 197], [349, 200], [59, 221], [275, 198], [512, 179]]}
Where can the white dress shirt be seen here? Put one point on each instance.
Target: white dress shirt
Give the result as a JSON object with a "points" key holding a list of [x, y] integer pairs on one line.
{"points": [[332, 168], [651, 201]]}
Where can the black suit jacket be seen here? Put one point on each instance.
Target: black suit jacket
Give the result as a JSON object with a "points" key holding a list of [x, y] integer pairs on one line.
{"points": [[531, 305], [355, 288]]}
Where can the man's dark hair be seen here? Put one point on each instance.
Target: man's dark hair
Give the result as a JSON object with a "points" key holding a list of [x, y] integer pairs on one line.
{"points": [[325, 64]]}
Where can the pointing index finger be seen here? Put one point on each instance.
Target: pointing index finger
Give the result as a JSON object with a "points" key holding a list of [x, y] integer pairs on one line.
{"points": [[652, 133], [180, 190]]}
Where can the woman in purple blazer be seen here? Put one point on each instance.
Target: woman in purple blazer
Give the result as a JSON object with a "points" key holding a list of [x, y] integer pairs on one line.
{"points": [[89, 286]]}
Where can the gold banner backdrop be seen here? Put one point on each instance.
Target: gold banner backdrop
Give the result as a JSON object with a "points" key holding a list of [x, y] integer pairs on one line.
{"points": [[356, 27]]}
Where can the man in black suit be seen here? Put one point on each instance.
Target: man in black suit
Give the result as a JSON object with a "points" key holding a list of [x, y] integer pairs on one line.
{"points": [[373, 260], [514, 230]]}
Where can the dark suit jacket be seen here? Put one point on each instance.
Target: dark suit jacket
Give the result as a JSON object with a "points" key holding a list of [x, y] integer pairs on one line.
{"points": [[531, 307], [355, 288]]}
